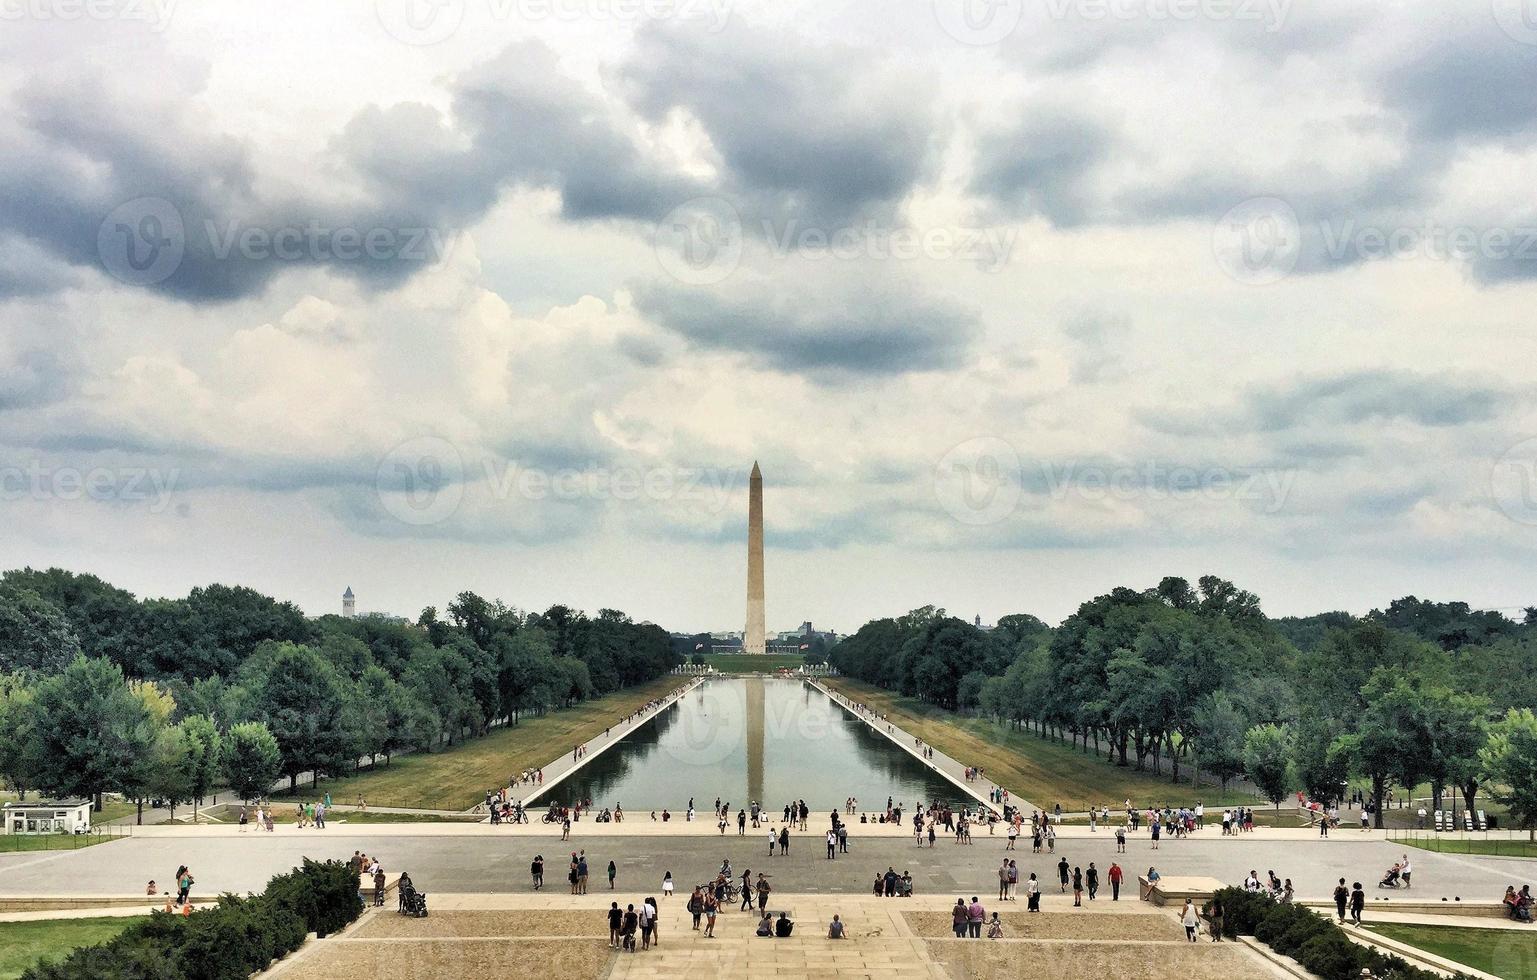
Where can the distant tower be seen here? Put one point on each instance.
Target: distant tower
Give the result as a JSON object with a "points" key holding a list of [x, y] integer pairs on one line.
{"points": [[752, 637], [349, 603]]}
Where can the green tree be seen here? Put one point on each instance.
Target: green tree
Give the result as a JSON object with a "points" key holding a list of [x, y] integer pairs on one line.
{"points": [[86, 726], [19, 748], [169, 768], [35, 637], [1267, 753], [1223, 726], [203, 757], [303, 701], [1509, 766], [251, 760]]}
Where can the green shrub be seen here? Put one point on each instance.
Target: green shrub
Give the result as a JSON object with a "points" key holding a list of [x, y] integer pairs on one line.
{"points": [[1307, 937], [236, 938]]}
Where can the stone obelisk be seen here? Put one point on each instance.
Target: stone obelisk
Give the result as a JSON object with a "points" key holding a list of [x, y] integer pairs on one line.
{"points": [[753, 636]]}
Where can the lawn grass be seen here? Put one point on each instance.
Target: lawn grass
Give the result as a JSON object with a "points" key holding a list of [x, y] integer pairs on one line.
{"points": [[746, 663], [1044, 771], [1504, 953], [457, 778], [1451, 844], [23, 943], [10, 843]]}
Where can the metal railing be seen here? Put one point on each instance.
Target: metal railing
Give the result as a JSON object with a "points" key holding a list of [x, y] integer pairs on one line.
{"points": [[11, 843]]}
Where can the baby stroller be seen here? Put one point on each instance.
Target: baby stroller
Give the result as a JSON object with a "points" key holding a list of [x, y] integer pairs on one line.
{"points": [[412, 901], [1393, 878]]}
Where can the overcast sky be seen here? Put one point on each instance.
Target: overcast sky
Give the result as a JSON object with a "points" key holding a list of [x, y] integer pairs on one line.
{"points": [[1014, 301]]}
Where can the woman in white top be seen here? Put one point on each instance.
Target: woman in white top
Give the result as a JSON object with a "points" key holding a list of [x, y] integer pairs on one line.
{"points": [[667, 885], [1191, 920]]}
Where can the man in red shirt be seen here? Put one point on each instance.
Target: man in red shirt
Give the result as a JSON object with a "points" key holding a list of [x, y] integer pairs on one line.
{"points": [[1115, 882]]}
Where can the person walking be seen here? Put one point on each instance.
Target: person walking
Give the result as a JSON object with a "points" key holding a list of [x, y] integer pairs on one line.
{"points": [[1341, 897], [1120, 840], [1033, 894], [958, 918], [1077, 888], [1217, 917], [1091, 878], [1357, 903], [1191, 920], [667, 886], [1062, 875], [1013, 892], [975, 916], [696, 905], [613, 871], [615, 924], [747, 891], [536, 870], [1115, 881], [784, 841], [832, 845], [1003, 880]]}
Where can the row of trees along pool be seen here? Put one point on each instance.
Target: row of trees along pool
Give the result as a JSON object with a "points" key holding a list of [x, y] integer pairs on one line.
{"points": [[1418, 693], [101, 691]]}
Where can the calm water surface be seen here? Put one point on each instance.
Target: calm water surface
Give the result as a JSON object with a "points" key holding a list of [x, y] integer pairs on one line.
{"points": [[773, 740]]}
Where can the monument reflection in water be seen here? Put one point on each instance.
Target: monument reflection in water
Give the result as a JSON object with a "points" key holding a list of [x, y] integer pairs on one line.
{"points": [[771, 740]]}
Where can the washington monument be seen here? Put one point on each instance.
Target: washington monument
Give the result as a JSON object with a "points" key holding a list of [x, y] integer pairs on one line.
{"points": [[752, 637]]}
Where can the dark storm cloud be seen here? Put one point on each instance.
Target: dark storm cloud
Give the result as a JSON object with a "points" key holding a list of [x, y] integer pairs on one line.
{"points": [[1043, 165], [826, 132], [1341, 401], [1477, 85], [1368, 396], [862, 331]]}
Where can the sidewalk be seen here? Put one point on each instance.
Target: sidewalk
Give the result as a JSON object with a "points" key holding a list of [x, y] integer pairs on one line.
{"points": [[952, 770]]}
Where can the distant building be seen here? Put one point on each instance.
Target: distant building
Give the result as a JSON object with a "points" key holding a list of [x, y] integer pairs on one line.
{"points": [[349, 603]]}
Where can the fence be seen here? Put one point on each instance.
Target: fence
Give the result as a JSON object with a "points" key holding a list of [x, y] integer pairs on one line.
{"points": [[1493, 843], [10, 843]]}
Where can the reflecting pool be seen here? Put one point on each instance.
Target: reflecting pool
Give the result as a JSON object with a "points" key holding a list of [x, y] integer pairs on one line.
{"points": [[773, 740]]}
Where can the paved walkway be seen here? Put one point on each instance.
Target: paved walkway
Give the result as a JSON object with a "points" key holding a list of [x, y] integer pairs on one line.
{"points": [[900, 939], [558, 769], [947, 767], [479, 858]]}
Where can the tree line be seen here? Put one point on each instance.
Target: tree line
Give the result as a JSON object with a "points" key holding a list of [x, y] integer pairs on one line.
{"points": [[1197, 677], [167, 698]]}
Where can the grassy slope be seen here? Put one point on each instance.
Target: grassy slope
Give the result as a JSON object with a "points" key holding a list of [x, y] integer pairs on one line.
{"points": [[22, 943], [1512, 955], [1044, 771], [457, 778], [1473, 845]]}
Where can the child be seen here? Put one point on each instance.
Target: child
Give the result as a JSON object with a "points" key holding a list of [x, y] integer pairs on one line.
{"points": [[995, 928], [667, 885]]}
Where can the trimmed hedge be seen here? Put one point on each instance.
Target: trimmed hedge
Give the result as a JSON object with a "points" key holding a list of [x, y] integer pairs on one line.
{"points": [[1307, 937], [231, 941]]}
